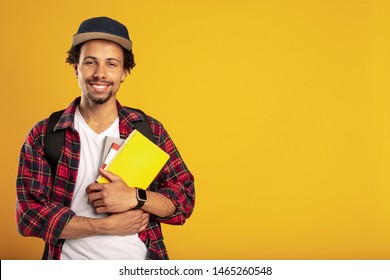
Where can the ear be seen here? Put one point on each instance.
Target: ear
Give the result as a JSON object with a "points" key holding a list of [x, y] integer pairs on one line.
{"points": [[124, 75], [75, 69]]}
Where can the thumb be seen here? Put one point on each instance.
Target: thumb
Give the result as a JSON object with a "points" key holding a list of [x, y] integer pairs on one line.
{"points": [[109, 175]]}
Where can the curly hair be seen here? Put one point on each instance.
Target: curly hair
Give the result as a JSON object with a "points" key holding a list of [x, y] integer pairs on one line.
{"points": [[74, 56]]}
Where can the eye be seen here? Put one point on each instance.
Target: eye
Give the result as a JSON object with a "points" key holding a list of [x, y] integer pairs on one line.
{"points": [[89, 62]]}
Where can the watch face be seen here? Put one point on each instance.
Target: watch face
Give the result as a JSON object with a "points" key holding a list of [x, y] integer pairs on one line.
{"points": [[141, 194]]}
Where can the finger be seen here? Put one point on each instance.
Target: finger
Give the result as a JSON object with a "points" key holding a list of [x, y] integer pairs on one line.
{"points": [[101, 210], [143, 226], [145, 216], [145, 221], [109, 175], [98, 203], [94, 187], [93, 196]]}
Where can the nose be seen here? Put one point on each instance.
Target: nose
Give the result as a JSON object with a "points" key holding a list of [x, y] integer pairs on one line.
{"points": [[100, 72]]}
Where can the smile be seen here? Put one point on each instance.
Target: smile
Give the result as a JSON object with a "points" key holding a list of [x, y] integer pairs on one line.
{"points": [[99, 87]]}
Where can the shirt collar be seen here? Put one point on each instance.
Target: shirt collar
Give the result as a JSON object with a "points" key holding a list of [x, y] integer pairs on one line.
{"points": [[127, 117]]}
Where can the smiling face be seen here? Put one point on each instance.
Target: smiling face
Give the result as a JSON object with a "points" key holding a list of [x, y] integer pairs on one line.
{"points": [[100, 70]]}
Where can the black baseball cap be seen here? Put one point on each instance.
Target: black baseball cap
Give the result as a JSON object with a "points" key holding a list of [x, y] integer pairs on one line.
{"points": [[103, 28]]}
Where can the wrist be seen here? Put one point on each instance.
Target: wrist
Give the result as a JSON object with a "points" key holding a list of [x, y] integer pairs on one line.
{"points": [[141, 197]]}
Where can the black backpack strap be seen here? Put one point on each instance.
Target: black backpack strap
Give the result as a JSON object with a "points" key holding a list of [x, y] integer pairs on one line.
{"points": [[53, 141], [52, 148], [144, 126]]}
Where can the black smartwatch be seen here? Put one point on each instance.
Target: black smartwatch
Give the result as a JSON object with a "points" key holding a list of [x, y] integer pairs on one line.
{"points": [[141, 197]]}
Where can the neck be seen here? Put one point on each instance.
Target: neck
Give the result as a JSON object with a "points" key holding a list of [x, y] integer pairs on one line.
{"points": [[98, 116]]}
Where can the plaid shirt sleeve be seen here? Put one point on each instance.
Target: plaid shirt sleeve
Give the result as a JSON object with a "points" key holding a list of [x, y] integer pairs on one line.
{"points": [[175, 181], [36, 215]]}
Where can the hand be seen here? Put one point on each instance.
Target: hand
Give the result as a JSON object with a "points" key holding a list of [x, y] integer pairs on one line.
{"points": [[126, 223], [112, 197]]}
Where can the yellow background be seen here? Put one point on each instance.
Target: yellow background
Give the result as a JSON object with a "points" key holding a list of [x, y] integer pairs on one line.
{"points": [[279, 108]]}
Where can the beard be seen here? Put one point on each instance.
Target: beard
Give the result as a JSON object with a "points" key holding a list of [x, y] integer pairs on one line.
{"points": [[99, 99]]}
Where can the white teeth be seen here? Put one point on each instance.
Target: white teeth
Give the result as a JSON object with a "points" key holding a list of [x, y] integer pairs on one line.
{"points": [[99, 87]]}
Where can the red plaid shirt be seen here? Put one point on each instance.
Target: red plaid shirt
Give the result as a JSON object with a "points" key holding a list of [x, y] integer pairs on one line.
{"points": [[43, 205]]}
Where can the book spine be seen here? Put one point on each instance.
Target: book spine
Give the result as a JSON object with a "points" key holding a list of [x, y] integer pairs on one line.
{"points": [[111, 154]]}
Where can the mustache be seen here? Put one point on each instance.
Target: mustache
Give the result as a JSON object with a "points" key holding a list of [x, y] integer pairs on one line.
{"points": [[96, 80]]}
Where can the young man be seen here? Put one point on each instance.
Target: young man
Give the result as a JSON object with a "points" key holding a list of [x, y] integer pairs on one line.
{"points": [[77, 217]]}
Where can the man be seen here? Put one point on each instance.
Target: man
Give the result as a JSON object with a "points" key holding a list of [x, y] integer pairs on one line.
{"points": [[77, 217]]}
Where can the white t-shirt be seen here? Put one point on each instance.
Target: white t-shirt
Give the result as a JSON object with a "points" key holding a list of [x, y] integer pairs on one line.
{"points": [[106, 247]]}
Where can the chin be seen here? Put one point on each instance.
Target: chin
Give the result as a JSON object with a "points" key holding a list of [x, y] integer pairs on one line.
{"points": [[99, 99]]}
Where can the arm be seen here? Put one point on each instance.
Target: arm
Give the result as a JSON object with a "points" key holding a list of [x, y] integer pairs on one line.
{"points": [[36, 214], [125, 223], [175, 181]]}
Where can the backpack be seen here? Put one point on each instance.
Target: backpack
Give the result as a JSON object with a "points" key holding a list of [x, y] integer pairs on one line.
{"points": [[54, 140]]}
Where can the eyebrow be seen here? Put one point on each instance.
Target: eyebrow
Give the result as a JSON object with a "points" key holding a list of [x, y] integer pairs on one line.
{"points": [[95, 58]]}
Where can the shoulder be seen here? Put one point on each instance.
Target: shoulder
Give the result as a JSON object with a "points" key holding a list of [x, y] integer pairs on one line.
{"points": [[154, 122], [34, 140], [37, 132], [156, 126], [131, 115], [64, 118]]}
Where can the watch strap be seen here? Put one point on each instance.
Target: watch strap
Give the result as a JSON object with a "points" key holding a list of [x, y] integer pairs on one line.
{"points": [[141, 197]]}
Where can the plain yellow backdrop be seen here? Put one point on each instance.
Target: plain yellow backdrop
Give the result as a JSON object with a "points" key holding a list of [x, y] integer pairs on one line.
{"points": [[279, 108]]}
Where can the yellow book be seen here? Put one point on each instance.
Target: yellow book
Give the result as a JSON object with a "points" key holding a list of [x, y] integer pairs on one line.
{"points": [[137, 162]]}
